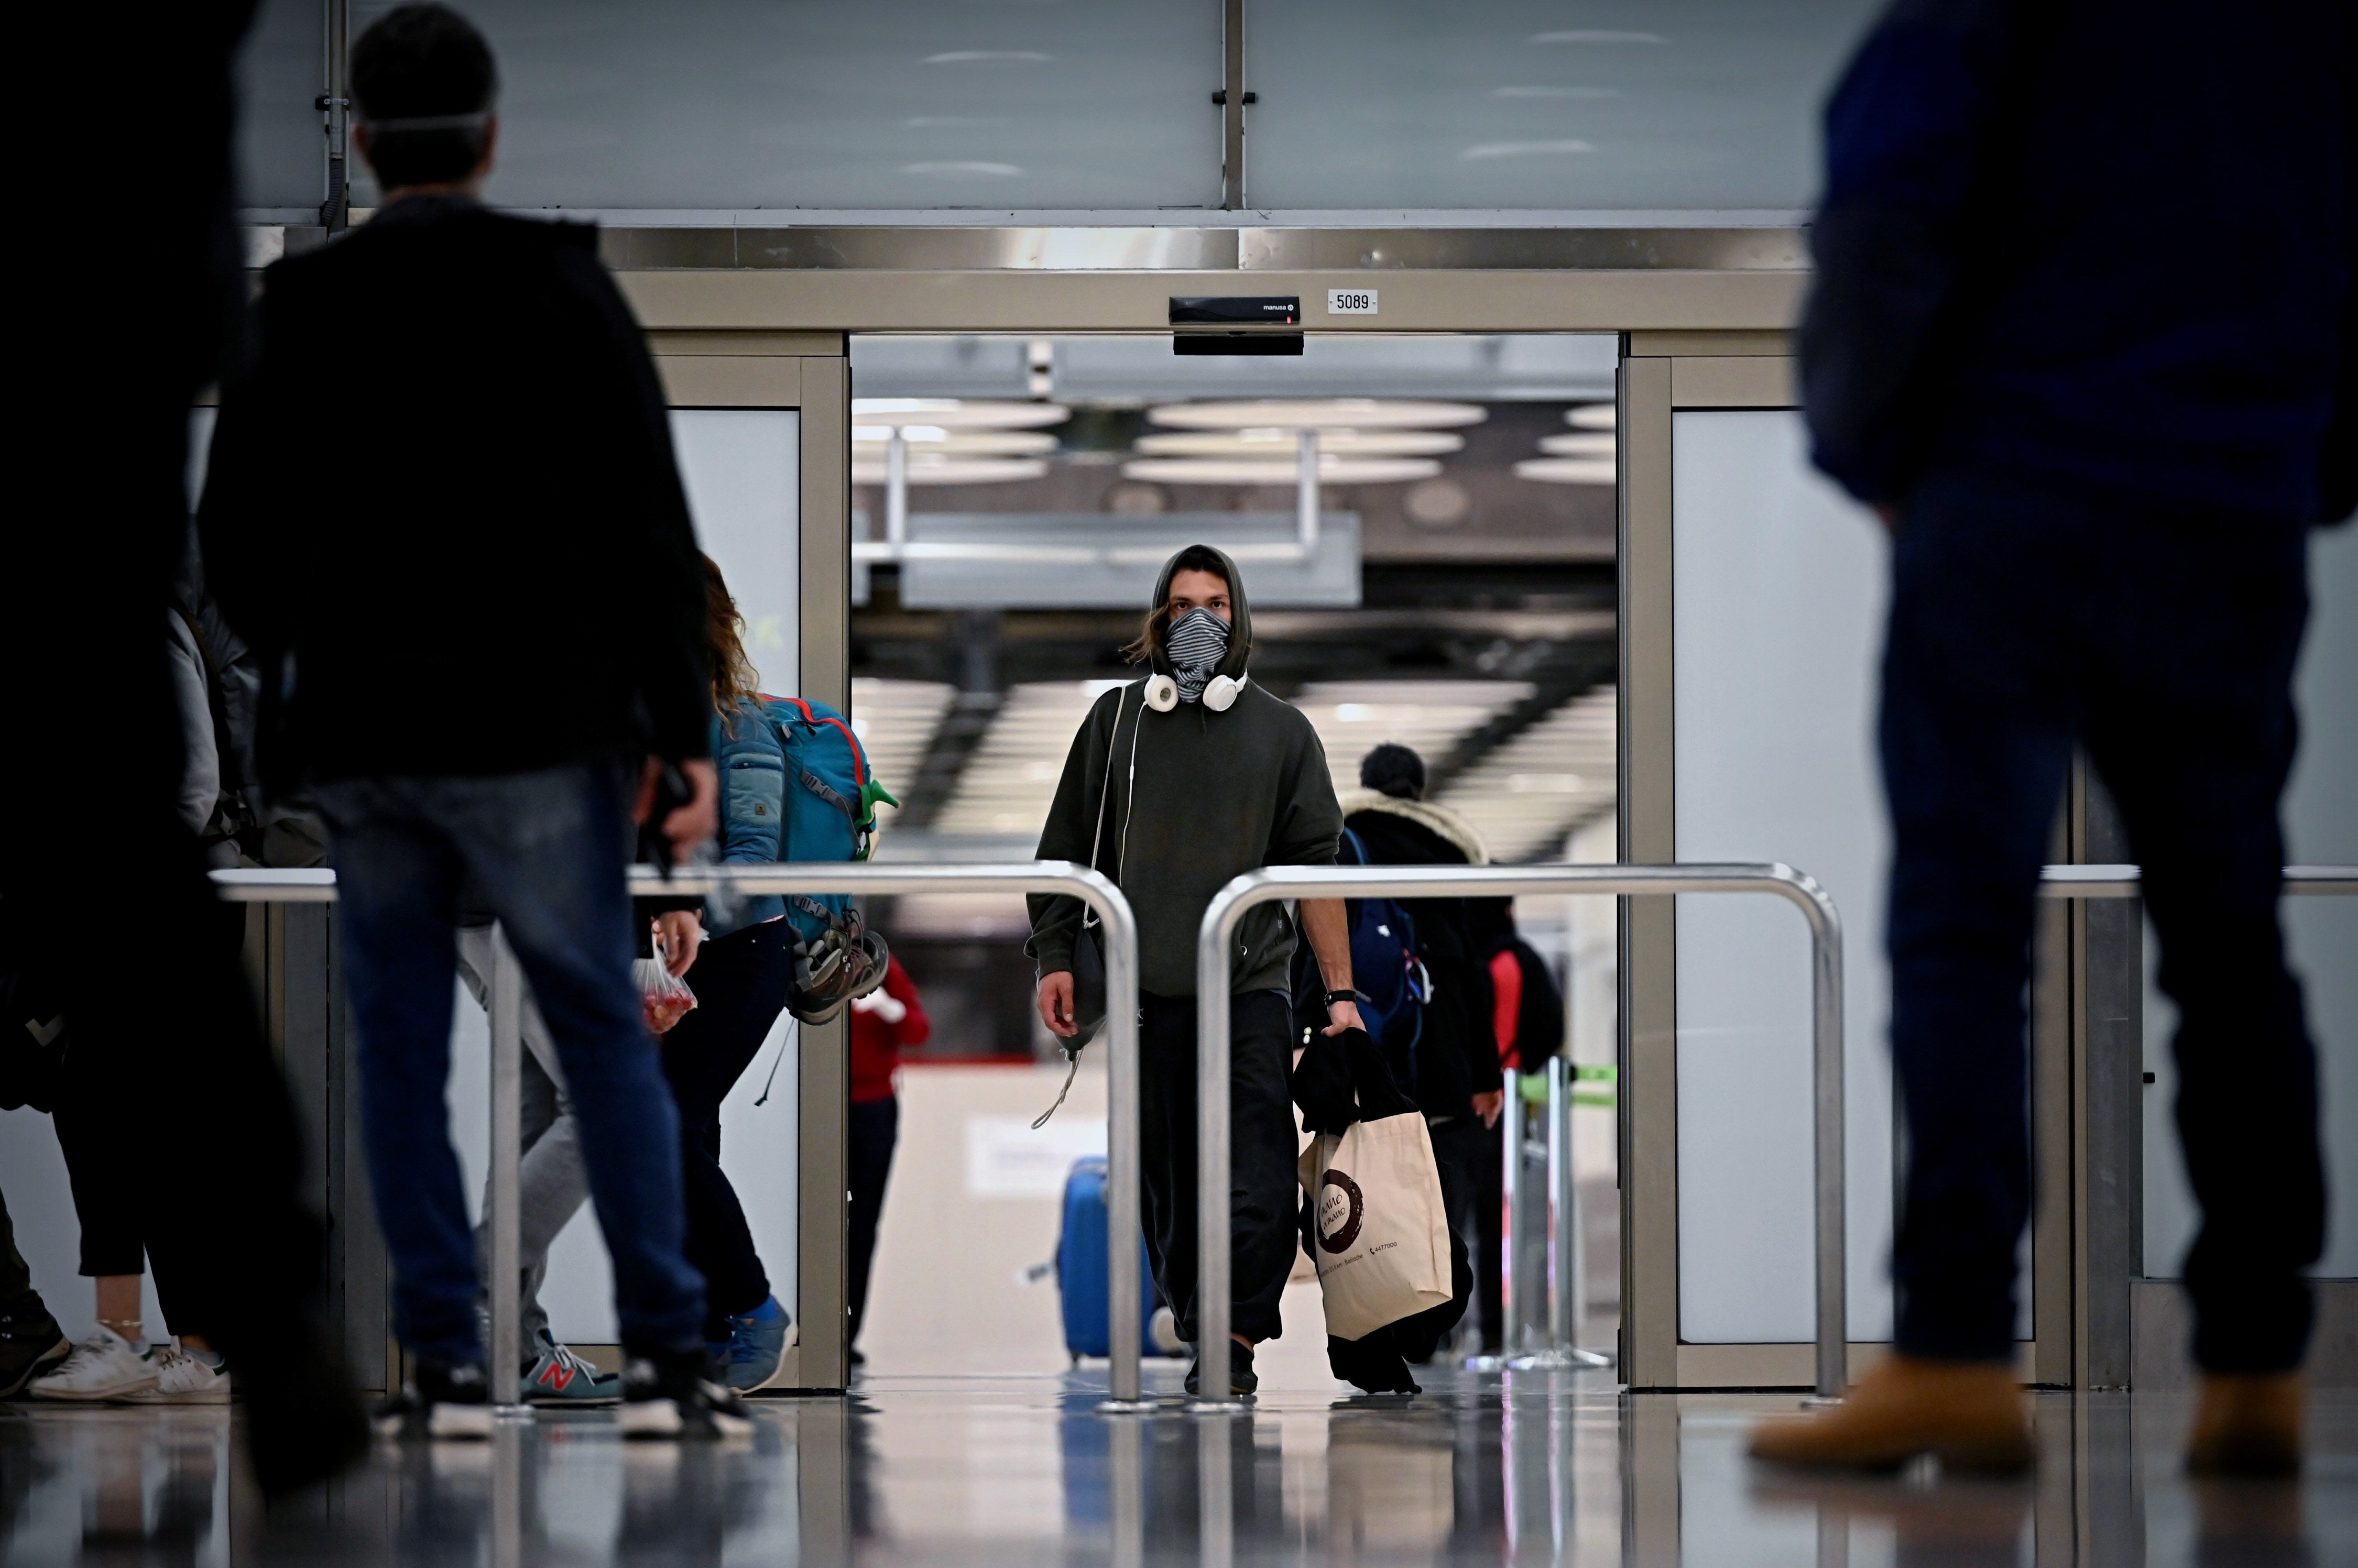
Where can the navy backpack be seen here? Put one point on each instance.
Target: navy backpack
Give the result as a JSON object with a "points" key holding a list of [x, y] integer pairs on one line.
{"points": [[1385, 968]]}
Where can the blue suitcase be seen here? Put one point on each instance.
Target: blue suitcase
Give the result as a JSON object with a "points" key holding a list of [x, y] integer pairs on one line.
{"points": [[1083, 1281]]}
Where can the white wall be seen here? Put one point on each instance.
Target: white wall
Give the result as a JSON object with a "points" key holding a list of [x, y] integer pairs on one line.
{"points": [[2320, 818], [743, 473], [1779, 588]]}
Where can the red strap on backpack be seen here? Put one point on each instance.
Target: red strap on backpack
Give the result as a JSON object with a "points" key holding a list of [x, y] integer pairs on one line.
{"points": [[858, 757]]}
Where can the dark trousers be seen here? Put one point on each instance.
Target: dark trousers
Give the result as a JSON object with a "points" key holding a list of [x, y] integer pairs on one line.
{"points": [[1263, 1191], [2024, 623], [875, 1130], [21, 1309], [543, 852], [1467, 1155], [124, 1230], [740, 982]]}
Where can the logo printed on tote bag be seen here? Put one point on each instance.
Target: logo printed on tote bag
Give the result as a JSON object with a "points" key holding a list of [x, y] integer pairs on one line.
{"points": [[1336, 1230]]}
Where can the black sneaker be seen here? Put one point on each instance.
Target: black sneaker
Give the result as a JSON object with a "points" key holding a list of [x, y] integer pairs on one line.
{"points": [[1241, 1381], [442, 1402], [670, 1397], [30, 1344]]}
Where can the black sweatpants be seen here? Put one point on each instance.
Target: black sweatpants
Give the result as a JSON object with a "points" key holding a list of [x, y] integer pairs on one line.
{"points": [[1461, 1148], [1264, 1192], [740, 982], [875, 1130], [2025, 620]]}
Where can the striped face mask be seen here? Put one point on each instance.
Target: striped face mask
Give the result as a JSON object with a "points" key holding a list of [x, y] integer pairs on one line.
{"points": [[1195, 643]]}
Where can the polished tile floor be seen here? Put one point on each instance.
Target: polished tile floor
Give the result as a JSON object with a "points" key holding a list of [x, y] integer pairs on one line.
{"points": [[1527, 1467]]}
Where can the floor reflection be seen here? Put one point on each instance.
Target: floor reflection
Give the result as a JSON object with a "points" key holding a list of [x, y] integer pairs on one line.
{"points": [[1527, 1468]]}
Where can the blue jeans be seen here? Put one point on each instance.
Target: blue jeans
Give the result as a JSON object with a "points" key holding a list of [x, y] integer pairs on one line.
{"points": [[545, 852], [2024, 623]]}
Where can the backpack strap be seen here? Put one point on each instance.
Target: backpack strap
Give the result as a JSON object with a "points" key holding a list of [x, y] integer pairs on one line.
{"points": [[858, 757]]}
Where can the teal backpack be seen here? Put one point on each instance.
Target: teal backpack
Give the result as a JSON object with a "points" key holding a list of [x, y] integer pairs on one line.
{"points": [[830, 810]]}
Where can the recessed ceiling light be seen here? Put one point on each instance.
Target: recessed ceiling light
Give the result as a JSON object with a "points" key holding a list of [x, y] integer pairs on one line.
{"points": [[1562, 148], [1555, 93], [1580, 444], [1281, 444], [1591, 416], [1566, 471], [957, 414], [1597, 35], [867, 468], [1317, 414], [1278, 470], [928, 439]]}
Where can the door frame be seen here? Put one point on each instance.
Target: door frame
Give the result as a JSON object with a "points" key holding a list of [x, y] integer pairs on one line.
{"points": [[811, 374], [2076, 1134], [1707, 331]]}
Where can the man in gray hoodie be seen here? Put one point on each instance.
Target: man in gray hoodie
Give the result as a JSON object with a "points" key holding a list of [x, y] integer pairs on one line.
{"points": [[1174, 785]]}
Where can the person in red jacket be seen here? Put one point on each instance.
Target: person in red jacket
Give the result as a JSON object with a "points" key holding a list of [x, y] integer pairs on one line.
{"points": [[883, 1023]]}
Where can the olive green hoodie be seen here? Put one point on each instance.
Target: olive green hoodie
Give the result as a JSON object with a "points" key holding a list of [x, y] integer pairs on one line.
{"points": [[1218, 795]]}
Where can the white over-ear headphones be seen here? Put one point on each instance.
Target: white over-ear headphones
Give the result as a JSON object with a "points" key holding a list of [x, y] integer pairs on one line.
{"points": [[1219, 693]]}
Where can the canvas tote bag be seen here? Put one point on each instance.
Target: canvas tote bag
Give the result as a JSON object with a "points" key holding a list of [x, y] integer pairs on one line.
{"points": [[1381, 1239]]}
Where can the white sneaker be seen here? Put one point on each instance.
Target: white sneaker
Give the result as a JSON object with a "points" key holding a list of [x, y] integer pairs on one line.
{"points": [[105, 1367], [181, 1380]]}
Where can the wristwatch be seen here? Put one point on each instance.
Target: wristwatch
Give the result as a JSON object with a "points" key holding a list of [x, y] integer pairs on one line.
{"points": [[1355, 997]]}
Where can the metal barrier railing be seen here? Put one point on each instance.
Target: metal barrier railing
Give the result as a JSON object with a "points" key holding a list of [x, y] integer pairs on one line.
{"points": [[1217, 939], [2128, 882], [1121, 928]]}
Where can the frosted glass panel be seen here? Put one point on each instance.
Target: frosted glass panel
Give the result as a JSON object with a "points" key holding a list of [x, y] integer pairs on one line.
{"points": [[1644, 104], [743, 470], [2321, 818], [1779, 584], [735, 104]]}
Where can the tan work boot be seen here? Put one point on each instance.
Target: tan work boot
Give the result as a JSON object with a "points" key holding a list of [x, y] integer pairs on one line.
{"points": [[2247, 1424], [1968, 1414]]}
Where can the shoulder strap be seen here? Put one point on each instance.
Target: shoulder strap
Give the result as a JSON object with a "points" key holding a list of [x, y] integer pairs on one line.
{"points": [[858, 757], [1105, 794]]}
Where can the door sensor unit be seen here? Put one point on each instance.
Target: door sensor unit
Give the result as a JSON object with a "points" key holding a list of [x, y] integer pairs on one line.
{"points": [[1236, 310], [1281, 343], [1240, 315]]}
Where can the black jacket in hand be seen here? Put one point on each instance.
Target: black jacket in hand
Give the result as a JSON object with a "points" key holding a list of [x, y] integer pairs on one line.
{"points": [[1340, 1079], [446, 486]]}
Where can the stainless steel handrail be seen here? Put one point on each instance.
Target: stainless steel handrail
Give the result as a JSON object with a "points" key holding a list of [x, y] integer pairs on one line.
{"points": [[1216, 937], [1122, 1218]]}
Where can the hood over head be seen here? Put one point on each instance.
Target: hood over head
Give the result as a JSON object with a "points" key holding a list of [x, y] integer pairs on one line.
{"points": [[1239, 652]]}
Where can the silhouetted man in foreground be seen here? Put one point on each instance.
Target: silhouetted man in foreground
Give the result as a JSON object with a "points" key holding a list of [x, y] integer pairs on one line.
{"points": [[125, 336], [445, 496], [2082, 336]]}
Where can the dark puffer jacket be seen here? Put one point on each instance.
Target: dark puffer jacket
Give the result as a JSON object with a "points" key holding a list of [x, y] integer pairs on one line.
{"points": [[1457, 1054]]}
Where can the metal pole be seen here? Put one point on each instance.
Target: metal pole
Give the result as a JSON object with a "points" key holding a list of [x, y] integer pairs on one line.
{"points": [[1230, 904], [507, 1156], [896, 491], [1215, 1495], [1515, 1288], [1232, 104], [1305, 493], [1128, 1486], [1114, 917], [335, 104], [1564, 1297], [1523, 1288], [1213, 1259]]}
